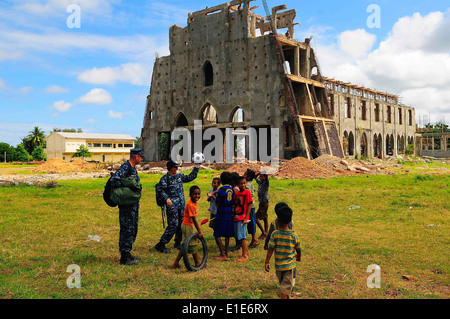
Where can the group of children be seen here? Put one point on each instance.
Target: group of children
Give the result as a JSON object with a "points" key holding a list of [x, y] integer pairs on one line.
{"points": [[232, 215]]}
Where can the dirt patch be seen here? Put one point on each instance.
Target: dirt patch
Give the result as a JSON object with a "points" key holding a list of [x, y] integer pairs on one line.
{"points": [[300, 168], [58, 165]]}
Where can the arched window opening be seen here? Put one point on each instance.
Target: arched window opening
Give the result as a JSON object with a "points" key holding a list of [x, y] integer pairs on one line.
{"points": [[209, 73], [364, 145], [345, 143], [238, 116], [351, 144], [209, 115], [181, 120]]}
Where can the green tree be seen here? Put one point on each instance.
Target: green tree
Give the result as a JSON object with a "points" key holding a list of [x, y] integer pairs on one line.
{"points": [[137, 143], [9, 150], [21, 154], [82, 152], [39, 154]]}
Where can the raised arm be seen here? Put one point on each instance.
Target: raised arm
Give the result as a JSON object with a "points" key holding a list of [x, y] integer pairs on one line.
{"points": [[190, 177]]}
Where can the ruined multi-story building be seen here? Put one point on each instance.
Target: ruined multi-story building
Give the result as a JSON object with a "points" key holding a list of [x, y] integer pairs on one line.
{"points": [[371, 123], [230, 68]]}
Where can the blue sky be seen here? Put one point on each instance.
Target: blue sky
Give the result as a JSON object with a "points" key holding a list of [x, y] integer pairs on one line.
{"points": [[97, 77]]}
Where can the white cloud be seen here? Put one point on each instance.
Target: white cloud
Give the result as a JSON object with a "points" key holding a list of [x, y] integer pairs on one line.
{"points": [[134, 73], [5, 55], [405, 63], [12, 132], [356, 43], [116, 115], [55, 89], [2, 84], [62, 106], [57, 7], [90, 121], [25, 90], [136, 47], [96, 96]]}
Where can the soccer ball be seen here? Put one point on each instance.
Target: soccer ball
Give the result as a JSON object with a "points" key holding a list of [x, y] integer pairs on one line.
{"points": [[198, 158]]}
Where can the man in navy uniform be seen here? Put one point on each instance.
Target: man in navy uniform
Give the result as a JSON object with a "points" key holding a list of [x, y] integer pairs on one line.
{"points": [[128, 215], [173, 193]]}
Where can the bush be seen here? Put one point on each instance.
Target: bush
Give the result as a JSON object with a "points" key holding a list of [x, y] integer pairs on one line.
{"points": [[410, 149], [39, 154]]}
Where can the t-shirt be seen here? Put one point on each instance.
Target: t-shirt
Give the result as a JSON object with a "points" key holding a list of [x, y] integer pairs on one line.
{"points": [[241, 202], [212, 203], [263, 190], [286, 244], [274, 226], [224, 201], [189, 212]]}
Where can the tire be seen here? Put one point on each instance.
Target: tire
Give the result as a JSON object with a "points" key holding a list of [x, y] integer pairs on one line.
{"points": [[188, 263]]}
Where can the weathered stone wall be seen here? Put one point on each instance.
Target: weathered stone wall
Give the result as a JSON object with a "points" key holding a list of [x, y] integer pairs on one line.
{"points": [[245, 69], [372, 125]]}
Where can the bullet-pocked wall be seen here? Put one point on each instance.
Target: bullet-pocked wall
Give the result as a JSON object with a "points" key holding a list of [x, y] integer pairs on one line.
{"points": [[215, 61]]}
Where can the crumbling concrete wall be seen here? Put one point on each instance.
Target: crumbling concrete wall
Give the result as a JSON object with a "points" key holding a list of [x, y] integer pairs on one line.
{"points": [[246, 74], [375, 125]]}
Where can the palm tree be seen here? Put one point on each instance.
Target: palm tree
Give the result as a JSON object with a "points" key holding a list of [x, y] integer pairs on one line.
{"points": [[36, 137]]}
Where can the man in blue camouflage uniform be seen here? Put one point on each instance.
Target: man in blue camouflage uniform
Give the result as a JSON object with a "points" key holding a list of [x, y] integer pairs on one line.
{"points": [[128, 215], [173, 194]]}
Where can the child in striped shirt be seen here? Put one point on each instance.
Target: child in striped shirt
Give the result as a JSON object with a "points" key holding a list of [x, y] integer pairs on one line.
{"points": [[286, 246]]}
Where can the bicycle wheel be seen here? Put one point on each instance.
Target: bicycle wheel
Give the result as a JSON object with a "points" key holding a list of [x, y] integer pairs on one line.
{"points": [[202, 251]]}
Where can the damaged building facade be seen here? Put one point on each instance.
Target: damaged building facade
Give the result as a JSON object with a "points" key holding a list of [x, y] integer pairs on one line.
{"points": [[371, 123], [231, 68]]}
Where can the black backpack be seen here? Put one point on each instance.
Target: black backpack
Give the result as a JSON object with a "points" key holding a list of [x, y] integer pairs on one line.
{"points": [[107, 192], [158, 190]]}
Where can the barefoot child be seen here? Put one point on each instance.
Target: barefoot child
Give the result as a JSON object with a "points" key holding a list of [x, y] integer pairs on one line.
{"points": [[212, 201], [286, 246], [251, 227], [224, 218], [263, 197], [242, 206], [233, 183], [187, 227]]}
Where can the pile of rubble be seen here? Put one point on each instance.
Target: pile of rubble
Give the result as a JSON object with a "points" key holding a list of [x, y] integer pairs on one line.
{"points": [[58, 165]]}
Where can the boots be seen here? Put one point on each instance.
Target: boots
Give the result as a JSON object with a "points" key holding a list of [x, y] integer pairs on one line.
{"points": [[137, 258], [127, 259], [162, 248]]}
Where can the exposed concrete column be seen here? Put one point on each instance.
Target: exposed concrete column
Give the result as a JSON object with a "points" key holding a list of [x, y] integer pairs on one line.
{"points": [[445, 137], [421, 146], [308, 63], [297, 61]]}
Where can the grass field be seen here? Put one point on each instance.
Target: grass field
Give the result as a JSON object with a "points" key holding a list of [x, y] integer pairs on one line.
{"points": [[402, 225]]}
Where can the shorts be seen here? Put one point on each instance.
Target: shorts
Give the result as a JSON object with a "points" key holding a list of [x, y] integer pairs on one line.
{"points": [[286, 279], [212, 222], [262, 210], [187, 230], [240, 231], [251, 226], [223, 227]]}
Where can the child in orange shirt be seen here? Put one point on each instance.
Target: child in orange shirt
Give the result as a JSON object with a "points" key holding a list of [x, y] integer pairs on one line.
{"points": [[189, 222]]}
